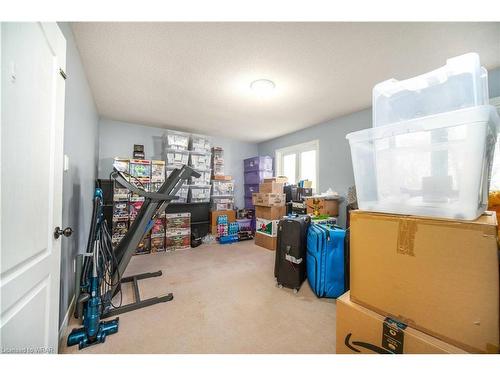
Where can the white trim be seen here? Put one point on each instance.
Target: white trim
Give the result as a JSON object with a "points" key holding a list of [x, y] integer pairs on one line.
{"points": [[64, 325], [296, 149]]}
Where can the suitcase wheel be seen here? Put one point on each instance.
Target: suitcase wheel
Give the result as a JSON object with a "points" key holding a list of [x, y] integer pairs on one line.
{"points": [[295, 291], [279, 285]]}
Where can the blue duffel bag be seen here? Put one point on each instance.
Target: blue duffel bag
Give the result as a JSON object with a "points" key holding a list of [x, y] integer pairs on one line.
{"points": [[327, 260]]}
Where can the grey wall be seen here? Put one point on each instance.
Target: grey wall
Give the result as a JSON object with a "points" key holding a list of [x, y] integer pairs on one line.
{"points": [[335, 169], [80, 144], [117, 138], [494, 82]]}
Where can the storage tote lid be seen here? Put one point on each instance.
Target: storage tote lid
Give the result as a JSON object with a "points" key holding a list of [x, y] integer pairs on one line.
{"points": [[461, 83], [481, 114]]}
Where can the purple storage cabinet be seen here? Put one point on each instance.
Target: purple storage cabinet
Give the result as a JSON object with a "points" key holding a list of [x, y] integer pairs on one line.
{"points": [[256, 177], [250, 189], [249, 203], [258, 163]]}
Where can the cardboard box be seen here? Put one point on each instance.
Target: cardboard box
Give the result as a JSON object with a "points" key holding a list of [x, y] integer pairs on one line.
{"points": [[268, 199], [322, 206], [265, 241], [157, 171], [279, 179], [270, 213], [158, 229], [231, 216], [271, 187], [221, 177], [362, 331], [267, 227], [157, 244], [178, 220], [177, 239], [436, 275]]}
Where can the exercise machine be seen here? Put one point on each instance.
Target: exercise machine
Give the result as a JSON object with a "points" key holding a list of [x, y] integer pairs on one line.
{"points": [[99, 270]]}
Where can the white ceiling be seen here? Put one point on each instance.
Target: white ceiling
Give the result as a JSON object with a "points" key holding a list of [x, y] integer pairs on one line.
{"points": [[196, 76]]}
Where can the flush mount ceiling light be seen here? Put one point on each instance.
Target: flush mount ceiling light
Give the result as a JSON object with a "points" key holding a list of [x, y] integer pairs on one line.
{"points": [[263, 87]]}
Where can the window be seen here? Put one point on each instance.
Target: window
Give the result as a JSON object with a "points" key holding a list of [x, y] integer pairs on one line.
{"points": [[299, 162]]}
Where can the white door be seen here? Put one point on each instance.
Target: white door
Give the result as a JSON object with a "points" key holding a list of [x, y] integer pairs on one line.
{"points": [[32, 124]]}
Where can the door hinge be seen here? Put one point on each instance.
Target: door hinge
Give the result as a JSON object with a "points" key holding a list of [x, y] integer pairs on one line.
{"points": [[62, 73]]}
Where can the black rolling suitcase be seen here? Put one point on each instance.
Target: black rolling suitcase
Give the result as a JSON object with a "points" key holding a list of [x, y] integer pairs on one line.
{"points": [[290, 261]]}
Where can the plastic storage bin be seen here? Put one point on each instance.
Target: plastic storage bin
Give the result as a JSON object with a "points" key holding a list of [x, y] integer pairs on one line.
{"points": [[179, 157], [461, 83], [199, 160], [249, 203], [256, 177], [175, 140], [245, 224], [433, 166], [222, 203], [258, 163], [222, 188], [218, 169], [200, 143], [204, 178], [182, 194], [199, 193], [250, 189]]}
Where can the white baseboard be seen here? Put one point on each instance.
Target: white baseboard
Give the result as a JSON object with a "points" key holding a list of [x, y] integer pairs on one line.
{"points": [[64, 324]]}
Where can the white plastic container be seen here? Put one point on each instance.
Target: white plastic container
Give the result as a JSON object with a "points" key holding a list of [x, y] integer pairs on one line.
{"points": [[200, 143], [199, 160], [199, 193], [222, 188], [461, 83], [204, 178], [182, 193], [175, 140], [433, 166], [177, 157]]}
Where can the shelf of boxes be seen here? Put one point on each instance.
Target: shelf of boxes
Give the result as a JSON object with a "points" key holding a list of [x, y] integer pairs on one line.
{"points": [[222, 197], [255, 170], [217, 162], [199, 193], [175, 140], [200, 143]]}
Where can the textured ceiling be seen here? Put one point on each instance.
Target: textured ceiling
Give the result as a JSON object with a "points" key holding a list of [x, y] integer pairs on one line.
{"points": [[196, 76]]}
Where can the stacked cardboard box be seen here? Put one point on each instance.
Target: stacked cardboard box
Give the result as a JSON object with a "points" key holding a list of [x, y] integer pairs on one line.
{"points": [[140, 175], [421, 285], [178, 231], [120, 205], [269, 209], [255, 170], [231, 217], [148, 175]]}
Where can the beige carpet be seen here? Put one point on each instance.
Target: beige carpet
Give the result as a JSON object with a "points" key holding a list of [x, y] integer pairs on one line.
{"points": [[225, 301]]}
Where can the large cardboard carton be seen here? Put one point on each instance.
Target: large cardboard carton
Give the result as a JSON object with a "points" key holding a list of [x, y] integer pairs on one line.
{"points": [[269, 227], [322, 206], [231, 216], [270, 213], [266, 241], [362, 331], [436, 275], [278, 179], [268, 199], [271, 187]]}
